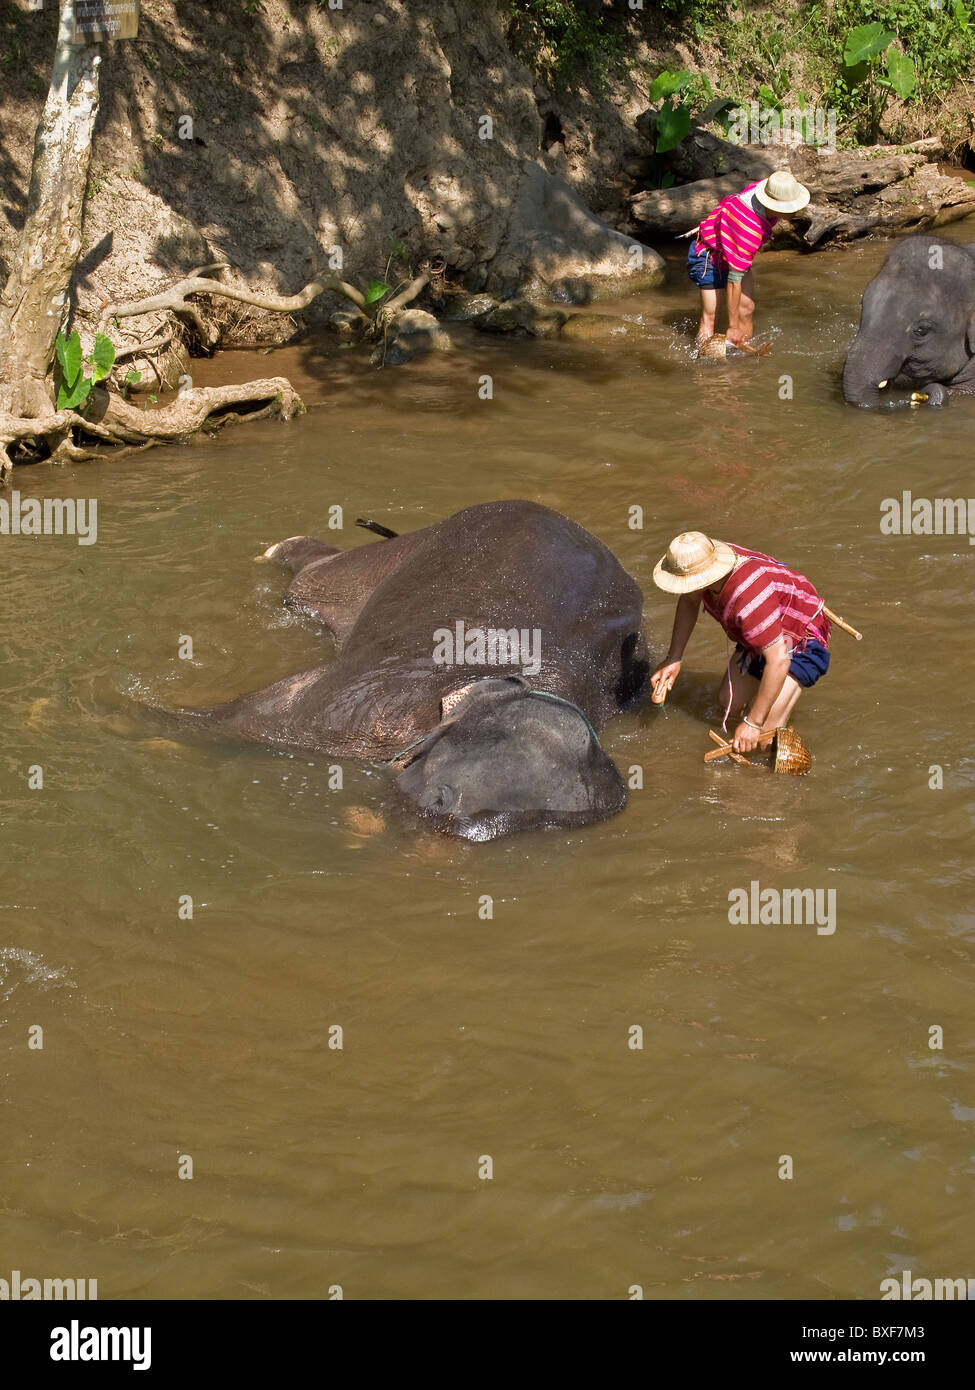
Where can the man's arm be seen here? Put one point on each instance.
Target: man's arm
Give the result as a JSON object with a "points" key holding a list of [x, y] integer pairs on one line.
{"points": [[734, 334], [733, 305], [688, 608]]}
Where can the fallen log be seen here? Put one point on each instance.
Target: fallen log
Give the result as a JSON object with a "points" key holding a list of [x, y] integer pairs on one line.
{"points": [[885, 188], [669, 212], [927, 199]]}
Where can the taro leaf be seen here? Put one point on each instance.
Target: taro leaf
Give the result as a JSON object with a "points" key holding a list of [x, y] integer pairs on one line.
{"points": [[864, 42], [69, 357], [900, 70], [375, 290], [132, 376], [103, 358], [668, 179], [665, 84], [855, 75], [673, 123], [71, 400]]}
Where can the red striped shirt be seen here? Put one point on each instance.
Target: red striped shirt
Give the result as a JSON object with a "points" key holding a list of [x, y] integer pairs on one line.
{"points": [[763, 600], [735, 232]]}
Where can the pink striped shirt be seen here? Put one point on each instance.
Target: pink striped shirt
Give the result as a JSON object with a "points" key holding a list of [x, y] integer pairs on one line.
{"points": [[763, 600], [734, 232]]}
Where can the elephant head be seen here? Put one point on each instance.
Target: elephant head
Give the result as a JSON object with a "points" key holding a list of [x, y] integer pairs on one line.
{"points": [[917, 323], [508, 758]]}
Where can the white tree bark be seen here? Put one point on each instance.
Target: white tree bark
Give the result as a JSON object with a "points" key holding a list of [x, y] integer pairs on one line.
{"points": [[35, 299]]}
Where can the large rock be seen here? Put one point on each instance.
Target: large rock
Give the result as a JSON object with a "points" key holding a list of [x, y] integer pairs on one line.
{"points": [[413, 333], [553, 240], [520, 315]]}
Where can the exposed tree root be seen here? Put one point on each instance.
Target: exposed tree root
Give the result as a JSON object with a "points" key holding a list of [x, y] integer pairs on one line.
{"points": [[112, 422], [198, 282], [175, 299], [30, 429]]}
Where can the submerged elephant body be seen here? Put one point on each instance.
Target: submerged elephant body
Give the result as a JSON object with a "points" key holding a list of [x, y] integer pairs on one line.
{"points": [[917, 324], [500, 589]]}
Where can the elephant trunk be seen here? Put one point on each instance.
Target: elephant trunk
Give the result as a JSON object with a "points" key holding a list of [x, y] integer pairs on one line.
{"points": [[867, 371]]}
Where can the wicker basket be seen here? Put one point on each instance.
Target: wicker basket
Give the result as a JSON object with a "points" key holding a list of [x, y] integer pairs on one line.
{"points": [[791, 754]]}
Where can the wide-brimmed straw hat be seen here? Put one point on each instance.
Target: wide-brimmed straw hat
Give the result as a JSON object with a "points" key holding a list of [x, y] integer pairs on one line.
{"points": [[782, 192], [693, 561]]}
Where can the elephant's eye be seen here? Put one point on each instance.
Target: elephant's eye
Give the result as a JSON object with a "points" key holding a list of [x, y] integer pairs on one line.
{"points": [[922, 330]]}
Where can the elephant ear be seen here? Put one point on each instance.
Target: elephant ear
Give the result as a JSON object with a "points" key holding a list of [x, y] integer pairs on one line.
{"points": [[970, 335]]}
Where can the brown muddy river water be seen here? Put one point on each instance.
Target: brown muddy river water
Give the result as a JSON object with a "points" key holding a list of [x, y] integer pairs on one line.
{"points": [[211, 1040]]}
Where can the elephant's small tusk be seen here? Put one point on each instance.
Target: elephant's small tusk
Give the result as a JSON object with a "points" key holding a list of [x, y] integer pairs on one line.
{"points": [[881, 385]]}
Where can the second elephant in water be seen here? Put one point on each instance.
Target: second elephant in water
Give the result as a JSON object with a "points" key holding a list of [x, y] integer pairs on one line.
{"points": [[917, 324], [479, 657]]}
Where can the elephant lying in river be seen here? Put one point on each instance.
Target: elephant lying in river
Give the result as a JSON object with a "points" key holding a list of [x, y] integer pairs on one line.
{"points": [[917, 324], [479, 747]]}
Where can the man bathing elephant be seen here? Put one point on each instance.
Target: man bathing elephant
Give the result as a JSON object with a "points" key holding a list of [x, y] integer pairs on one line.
{"points": [[719, 259], [772, 614], [917, 324], [476, 745]]}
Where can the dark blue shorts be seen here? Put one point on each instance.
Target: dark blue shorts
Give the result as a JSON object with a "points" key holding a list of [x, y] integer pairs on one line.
{"points": [[702, 269], [806, 667]]}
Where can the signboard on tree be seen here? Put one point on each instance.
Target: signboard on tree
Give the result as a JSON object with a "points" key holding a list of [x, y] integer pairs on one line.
{"points": [[98, 20]]}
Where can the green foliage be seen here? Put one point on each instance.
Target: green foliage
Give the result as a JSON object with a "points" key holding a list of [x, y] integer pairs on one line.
{"points": [[864, 42], [854, 56], [927, 46], [375, 290], [74, 387], [672, 120], [130, 380], [103, 357], [861, 74], [666, 84], [560, 40], [673, 117], [901, 73]]}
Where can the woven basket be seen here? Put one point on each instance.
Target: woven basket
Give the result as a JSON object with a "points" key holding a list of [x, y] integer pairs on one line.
{"points": [[791, 754], [715, 346]]}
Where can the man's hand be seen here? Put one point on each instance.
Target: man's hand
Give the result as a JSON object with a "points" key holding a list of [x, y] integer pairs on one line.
{"points": [[746, 738], [662, 680], [735, 337]]}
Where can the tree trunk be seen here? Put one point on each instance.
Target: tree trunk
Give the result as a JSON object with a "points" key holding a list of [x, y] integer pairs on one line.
{"points": [[34, 300]]}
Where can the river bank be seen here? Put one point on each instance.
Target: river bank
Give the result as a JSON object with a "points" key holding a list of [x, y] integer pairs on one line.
{"points": [[381, 134]]}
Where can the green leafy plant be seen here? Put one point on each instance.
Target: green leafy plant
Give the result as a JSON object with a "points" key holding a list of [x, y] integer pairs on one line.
{"points": [[375, 291], [673, 120], [861, 61], [681, 95], [74, 386], [132, 377]]}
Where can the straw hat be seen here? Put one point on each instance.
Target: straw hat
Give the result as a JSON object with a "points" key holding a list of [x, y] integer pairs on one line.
{"points": [[782, 192], [693, 561]]}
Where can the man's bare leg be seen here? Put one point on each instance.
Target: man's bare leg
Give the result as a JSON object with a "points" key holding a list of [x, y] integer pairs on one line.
{"points": [[785, 703], [743, 691], [711, 301]]}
